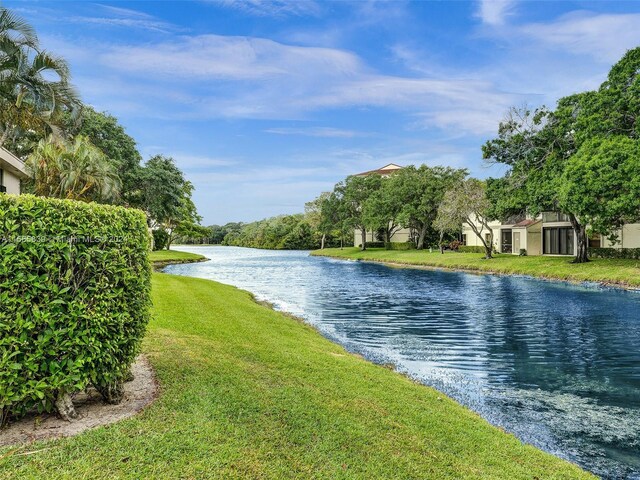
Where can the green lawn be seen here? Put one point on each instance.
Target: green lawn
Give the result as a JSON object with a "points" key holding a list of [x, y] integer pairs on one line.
{"points": [[166, 257], [247, 392], [623, 272]]}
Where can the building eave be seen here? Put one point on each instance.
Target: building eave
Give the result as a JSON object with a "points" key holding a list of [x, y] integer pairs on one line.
{"points": [[12, 164]]}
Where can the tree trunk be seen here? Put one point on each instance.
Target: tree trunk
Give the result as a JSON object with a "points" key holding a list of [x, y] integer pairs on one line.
{"points": [[112, 393], [363, 232], [421, 235], [441, 244], [324, 237], [64, 406], [488, 250], [582, 253]]}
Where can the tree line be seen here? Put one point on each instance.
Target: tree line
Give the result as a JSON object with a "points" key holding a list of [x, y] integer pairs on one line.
{"points": [[72, 151]]}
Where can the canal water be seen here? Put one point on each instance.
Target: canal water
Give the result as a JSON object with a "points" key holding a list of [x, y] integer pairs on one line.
{"points": [[556, 364]]}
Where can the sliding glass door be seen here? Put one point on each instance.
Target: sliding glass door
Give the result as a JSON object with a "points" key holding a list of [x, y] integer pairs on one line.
{"points": [[558, 241]]}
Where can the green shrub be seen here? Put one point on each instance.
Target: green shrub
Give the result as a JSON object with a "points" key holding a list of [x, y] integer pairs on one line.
{"points": [[74, 299], [160, 239], [471, 249], [628, 253], [523, 252], [374, 244], [400, 246]]}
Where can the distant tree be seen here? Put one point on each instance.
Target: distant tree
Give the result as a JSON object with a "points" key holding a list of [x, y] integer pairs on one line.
{"points": [[420, 191], [601, 183], [162, 189], [314, 216], [300, 238], [382, 209], [76, 170], [184, 220], [352, 195], [467, 203]]}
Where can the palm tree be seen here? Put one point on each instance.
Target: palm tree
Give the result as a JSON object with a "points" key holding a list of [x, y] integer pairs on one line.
{"points": [[35, 85], [77, 171]]}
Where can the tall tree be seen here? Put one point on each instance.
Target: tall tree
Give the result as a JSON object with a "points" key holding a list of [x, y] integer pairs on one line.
{"points": [[35, 86], [420, 191], [316, 217], [106, 133], [382, 209], [353, 193], [184, 219], [162, 189], [601, 183], [467, 203], [539, 146]]}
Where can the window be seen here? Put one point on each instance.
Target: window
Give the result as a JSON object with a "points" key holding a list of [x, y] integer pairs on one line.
{"points": [[548, 217], [487, 238], [594, 241], [558, 241], [506, 240], [464, 239]]}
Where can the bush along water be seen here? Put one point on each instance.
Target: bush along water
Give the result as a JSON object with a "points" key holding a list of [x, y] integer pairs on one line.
{"points": [[628, 253], [74, 301]]}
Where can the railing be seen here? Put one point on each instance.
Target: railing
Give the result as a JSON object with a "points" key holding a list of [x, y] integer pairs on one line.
{"points": [[549, 217]]}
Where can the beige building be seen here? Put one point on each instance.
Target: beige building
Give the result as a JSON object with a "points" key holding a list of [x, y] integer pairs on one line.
{"points": [[400, 236], [12, 171], [548, 234]]}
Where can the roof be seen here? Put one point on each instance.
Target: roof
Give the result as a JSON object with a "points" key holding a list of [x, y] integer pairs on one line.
{"points": [[526, 223], [12, 164], [386, 170]]}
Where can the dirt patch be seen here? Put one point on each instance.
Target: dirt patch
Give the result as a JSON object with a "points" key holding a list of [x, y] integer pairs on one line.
{"points": [[92, 411]]}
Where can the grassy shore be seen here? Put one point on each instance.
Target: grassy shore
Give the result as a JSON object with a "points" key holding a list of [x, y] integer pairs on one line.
{"points": [[161, 258], [247, 392], [610, 271]]}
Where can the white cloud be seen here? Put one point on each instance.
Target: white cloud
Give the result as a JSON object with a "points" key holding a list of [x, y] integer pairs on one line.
{"points": [[273, 8], [245, 77], [317, 132], [495, 12], [142, 23], [211, 57], [603, 36]]}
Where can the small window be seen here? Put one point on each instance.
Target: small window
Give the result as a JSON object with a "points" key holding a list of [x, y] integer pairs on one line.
{"points": [[464, 239], [487, 238], [594, 241]]}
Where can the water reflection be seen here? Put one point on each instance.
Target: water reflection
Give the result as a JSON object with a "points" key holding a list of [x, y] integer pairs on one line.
{"points": [[556, 364]]}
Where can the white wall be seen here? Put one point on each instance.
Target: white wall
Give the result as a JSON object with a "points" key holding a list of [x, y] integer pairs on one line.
{"points": [[11, 182]]}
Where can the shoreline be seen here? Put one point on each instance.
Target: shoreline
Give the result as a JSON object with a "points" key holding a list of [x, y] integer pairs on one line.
{"points": [[621, 285]]}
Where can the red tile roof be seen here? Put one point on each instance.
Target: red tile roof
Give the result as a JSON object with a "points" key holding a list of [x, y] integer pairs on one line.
{"points": [[526, 223]]}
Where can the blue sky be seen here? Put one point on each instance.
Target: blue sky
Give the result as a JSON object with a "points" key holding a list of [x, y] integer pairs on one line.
{"points": [[265, 104]]}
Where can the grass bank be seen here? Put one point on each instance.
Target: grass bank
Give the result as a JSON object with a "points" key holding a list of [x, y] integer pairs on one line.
{"points": [[247, 392], [610, 271], [162, 258]]}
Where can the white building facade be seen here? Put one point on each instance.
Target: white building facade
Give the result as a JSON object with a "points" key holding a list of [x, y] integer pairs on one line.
{"points": [[12, 172]]}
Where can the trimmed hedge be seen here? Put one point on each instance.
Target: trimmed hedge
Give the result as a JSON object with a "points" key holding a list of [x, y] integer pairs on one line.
{"points": [[400, 246], [74, 299], [628, 253], [471, 249], [372, 245]]}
